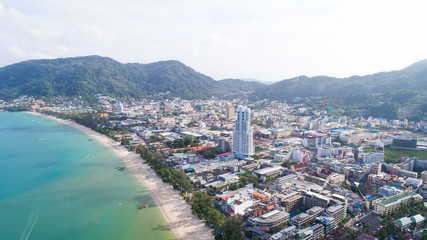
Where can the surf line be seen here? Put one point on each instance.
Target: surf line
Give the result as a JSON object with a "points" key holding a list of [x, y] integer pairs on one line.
{"points": [[32, 220]]}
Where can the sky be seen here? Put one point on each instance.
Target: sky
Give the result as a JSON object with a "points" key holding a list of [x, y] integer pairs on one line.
{"points": [[265, 40]]}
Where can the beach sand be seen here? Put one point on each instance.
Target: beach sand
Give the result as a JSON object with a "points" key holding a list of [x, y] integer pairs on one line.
{"points": [[173, 207]]}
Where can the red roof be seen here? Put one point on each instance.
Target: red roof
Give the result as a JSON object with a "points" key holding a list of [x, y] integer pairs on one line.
{"points": [[223, 198], [300, 165], [224, 154], [326, 172], [230, 211]]}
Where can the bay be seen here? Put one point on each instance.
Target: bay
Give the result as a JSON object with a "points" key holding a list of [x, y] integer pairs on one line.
{"points": [[57, 183]]}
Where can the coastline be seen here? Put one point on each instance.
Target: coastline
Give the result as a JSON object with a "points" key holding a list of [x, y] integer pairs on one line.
{"points": [[173, 207]]}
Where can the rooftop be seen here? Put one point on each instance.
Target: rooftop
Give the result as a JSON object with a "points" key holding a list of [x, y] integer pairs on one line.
{"points": [[396, 198]]}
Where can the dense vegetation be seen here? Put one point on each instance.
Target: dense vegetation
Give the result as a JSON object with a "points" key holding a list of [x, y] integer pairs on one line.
{"points": [[182, 143], [178, 179], [90, 120], [413, 77], [202, 206], [377, 95], [87, 76], [393, 155]]}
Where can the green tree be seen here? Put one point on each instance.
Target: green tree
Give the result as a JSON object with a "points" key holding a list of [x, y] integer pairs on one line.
{"points": [[287, 163], [214, 218], [232, 228], [351, 234], [125, 141]]}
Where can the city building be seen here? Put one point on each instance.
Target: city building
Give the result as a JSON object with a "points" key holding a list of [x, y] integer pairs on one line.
{"points": [[424, 176], [376, 168], [404, 142], [384, 206], [119, 107], [338, 212], [329, 223], [312, 199], [312, 233], [269, 220], [229, 113], [291, 202], [243, 135], [302, 219], [373, 157], [387, 191], [316, 141]]}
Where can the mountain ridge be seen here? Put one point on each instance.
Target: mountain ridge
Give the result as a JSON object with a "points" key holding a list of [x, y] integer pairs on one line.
{"points": [[89, 75], [413, 77]]}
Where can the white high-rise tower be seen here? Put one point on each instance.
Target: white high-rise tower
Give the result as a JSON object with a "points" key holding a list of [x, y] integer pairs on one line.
{"points": [[243, 142]]}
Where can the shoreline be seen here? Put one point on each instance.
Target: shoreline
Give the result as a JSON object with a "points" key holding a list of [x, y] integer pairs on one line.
{"points": [[176, 212]]}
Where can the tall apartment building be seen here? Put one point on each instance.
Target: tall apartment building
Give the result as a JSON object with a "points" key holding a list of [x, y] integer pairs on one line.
{"points": [[119, 107], [376, 168], [243, 145], [328, 222], [312, 199], [229, 113], [316, 141], [291, 202], [338, 212], [305, 218], [424, 176]]}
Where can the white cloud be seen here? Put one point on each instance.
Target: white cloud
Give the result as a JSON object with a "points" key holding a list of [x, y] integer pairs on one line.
{"points": [[221, 39], [16, 51], [268, 40], [99, 35]]}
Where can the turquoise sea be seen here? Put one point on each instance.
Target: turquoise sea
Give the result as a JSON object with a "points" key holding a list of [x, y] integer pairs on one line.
{"points": [[55, 183]]}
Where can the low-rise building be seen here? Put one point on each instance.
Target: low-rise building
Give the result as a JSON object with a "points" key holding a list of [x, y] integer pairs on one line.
{"points": [[384, 206], [403, 223], [312, 233], [418, 220], [329, 223], [269, 220], [305, 218]]}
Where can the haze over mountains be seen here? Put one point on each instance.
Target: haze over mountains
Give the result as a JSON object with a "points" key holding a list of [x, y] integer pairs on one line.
{"points": [[87, 76]]}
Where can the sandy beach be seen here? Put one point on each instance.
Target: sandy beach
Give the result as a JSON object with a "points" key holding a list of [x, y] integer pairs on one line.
{"points": [[175, 210]]}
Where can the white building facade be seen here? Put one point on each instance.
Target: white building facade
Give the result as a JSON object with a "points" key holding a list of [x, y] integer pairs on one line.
{"points": [[243, 144]]}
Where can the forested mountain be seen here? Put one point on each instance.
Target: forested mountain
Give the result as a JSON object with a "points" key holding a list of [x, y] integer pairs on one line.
{"points": [[87, 76], [237, 85], [413, 77]]}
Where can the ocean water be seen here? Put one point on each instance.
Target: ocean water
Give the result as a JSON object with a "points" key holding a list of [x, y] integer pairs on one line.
{"points": [[57, 184]]}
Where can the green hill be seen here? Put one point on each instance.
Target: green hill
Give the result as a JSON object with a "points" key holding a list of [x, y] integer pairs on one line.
{"points": [[87, 76], [413, 77]]}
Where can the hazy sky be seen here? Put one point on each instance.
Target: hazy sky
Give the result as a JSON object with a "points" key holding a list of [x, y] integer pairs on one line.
{"points": [[267, 40]]}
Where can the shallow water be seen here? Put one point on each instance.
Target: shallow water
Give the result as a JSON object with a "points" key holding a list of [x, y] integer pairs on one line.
{"points": [[56, 184]]}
